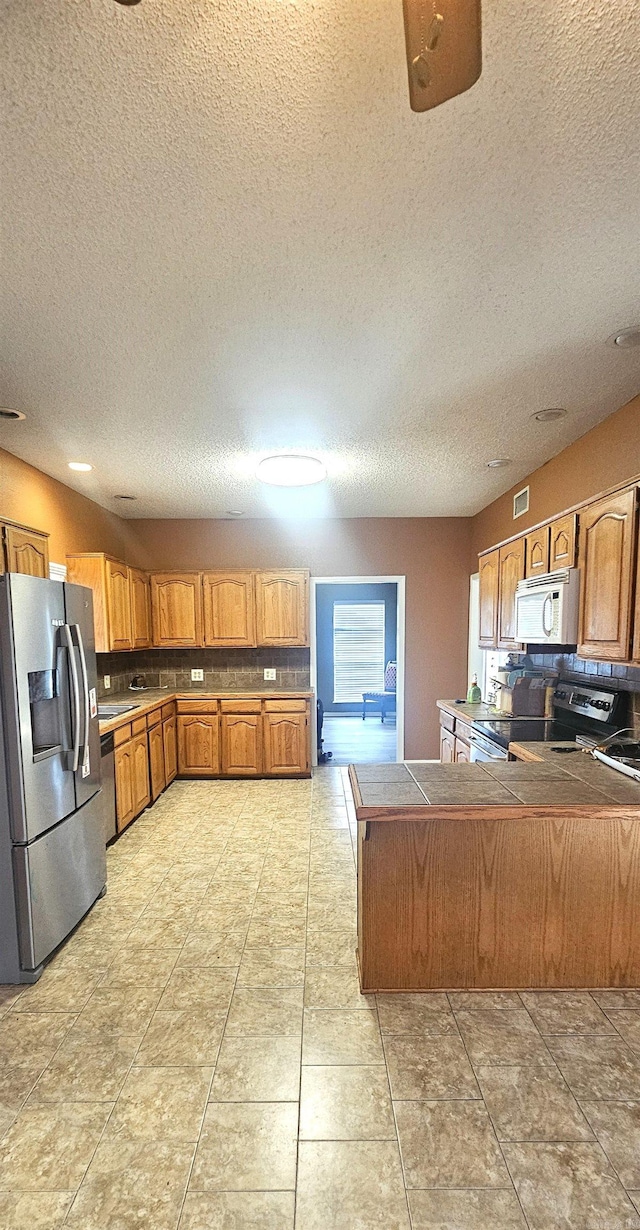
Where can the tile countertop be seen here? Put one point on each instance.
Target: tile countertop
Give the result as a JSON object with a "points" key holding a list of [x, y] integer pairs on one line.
{"points": [[420, 790], [150, 698], [471, 713]]}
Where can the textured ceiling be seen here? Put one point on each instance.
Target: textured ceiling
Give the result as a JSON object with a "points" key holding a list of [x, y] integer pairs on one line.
{"points": [[225, 232]]}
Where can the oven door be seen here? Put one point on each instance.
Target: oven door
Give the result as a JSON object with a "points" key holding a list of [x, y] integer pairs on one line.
{"points": [[484, 749]]}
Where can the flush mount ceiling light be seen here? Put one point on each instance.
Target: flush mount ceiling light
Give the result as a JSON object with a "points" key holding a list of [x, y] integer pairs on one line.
{"points": [[550, 415], [82, 467], [626, 338], [291, 470], [499, 461], [234, 512], [125, 497], [444, 49], [7, 413]]}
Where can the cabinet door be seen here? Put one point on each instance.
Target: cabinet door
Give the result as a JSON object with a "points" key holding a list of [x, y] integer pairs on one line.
{"points": [[282, 608], [156, 761], [198, 751], [140, 609], [607, 546], [286, 737], [26, 551], [241, 744], [462, 752], [141, 792], [563, 542], [488, 568], [170, 740], [229, 609], [176, 608], [511, 571], [123, 765], [447, 746], [118, 605], [537, 551]]}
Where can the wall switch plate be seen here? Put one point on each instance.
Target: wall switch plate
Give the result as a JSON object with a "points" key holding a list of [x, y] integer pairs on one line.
{"points": [[269, 673], [107, 682], [197, 676]]}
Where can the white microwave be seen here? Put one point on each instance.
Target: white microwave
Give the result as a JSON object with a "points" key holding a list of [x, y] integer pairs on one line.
{"points": [[547, 608]]}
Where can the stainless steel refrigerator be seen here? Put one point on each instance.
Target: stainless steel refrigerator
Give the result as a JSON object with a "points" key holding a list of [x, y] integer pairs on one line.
{"points": [[52, 848]]}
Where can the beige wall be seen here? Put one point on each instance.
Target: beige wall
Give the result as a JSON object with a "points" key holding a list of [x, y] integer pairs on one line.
{"points": [[604, 457], [73, 522], [432, 553]]}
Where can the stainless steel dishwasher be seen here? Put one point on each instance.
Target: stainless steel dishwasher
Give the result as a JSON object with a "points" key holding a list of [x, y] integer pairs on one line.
{"points": [[108, 786]]}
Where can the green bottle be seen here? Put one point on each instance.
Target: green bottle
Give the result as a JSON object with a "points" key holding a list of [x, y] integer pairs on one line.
{"points": [[474, 695]]}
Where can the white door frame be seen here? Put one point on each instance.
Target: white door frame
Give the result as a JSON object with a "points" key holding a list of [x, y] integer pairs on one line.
{"points": [[400, 583]]}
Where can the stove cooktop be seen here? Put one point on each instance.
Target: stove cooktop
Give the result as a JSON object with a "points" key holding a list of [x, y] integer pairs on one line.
{"points": [[525, 730]]}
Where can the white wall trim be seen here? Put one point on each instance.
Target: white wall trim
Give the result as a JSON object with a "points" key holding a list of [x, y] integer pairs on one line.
{"points": [[400, 583]]}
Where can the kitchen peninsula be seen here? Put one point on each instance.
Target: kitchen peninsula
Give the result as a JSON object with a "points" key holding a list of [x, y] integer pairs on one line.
{"points": [[497, 875]]}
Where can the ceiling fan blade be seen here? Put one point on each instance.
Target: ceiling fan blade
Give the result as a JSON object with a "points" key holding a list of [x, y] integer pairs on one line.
{"points": [[444, 49]]}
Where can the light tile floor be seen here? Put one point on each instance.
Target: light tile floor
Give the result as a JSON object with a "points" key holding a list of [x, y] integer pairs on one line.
{"points": [[199, 1055]]}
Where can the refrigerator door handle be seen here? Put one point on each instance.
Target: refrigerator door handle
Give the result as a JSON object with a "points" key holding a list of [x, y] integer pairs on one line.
{"points": [[85, 689], [75, 688]]}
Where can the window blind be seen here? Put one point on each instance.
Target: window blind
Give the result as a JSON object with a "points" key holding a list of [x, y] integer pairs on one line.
{"points": [[358, 650]]}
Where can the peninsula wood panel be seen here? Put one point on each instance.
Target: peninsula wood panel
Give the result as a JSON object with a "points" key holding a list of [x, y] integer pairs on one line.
{"points": [[537, 552], [547, 902], [229, 609], [607, 557], [512, 562], [140, 596], [176, 609], [118, 605], [562, 547], [198, 745], [26, 551], [488, 568], [282, 608]]}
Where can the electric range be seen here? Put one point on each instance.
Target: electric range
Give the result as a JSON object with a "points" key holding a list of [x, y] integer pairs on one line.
{"points": [[581, 714]]}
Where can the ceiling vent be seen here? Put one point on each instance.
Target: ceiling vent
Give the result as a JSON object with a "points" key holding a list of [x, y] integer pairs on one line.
{"points": [[521, 502]]}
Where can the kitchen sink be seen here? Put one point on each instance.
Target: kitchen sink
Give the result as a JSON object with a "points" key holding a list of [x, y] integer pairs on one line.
{"points": [[111, 711]]}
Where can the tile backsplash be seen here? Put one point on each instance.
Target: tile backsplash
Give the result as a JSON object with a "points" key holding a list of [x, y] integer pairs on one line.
{"points": [[225, 670], [609, 674]]}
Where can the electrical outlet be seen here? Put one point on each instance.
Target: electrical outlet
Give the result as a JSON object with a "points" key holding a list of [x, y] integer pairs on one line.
{"points": [[269, 673], [107, 682], [197, 676]]}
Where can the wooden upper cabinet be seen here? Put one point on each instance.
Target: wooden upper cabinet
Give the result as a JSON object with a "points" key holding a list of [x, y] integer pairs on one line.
{"points": [[118, 605], [607, 550], [229, 609], [176, 609], [140, 609], [282, 608], [26, 551], [537, 552], [488, 568], [511, 570], [285, 743], [563, 542], [198, 745], [241, 744]]}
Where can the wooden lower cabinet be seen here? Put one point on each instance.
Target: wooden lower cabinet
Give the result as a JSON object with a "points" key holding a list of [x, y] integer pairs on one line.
{"points": [[462, 752], [198, 745], [242, 744], [170, 743], [141, 792], [156, 761], [447, 746], [285, 743], [131, 763]]}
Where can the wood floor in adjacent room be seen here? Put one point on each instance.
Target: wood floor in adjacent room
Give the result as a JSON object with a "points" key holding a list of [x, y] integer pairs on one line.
{"points": [[199, 1055], [353, 741]]}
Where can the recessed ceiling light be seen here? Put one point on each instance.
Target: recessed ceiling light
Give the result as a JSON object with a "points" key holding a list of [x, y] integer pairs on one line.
{"points": [[550, 415], [7, 413], [125, 497], [291, 470], [499, 461], [626, 338], [82, 467], [233, 512]]}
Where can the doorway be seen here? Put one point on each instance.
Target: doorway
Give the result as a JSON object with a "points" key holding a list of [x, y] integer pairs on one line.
{"points": [[357, 667]]}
